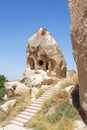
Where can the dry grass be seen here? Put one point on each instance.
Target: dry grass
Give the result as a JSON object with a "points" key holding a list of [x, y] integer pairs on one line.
{"points": [[57, 114], [70, 81], [41, 91], [22, 102]]}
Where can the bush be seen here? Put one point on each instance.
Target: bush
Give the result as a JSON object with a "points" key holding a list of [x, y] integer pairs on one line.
{"points": [[2, 88], [2, 80]]}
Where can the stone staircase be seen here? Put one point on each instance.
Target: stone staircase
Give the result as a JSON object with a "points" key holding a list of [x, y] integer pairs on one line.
{"points": [[31, 110]]}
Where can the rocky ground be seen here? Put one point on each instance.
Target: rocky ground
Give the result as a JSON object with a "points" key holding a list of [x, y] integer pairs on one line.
{"points": [[79, 124]]}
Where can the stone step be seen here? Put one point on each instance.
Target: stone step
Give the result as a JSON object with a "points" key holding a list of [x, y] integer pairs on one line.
{"points": [[36, 105], [47, 93], [30, 111], [19, 119], [24, 116], [27, 113], [55, 89], [44, 97], [34, 108], [41, 100], [38, 102], [17, 123], [50, 90]]}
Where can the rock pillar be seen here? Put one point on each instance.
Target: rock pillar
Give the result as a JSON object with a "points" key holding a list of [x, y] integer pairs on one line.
{"points": [[78, 11]]}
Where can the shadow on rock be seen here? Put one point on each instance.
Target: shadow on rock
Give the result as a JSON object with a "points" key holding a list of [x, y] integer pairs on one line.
{"points": [[76, 103]]}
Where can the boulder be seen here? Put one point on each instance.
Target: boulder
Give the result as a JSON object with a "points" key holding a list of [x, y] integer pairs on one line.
{"points": [[70, 88], [34, 92], [43, 53], [35, 78], [70, 73], [15, 88], [78, 11], [5, 106]]}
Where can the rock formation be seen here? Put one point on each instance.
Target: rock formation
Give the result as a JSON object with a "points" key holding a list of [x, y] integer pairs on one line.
{"points": [[36, 77], [43, 53], [15, 88], [70, 73], [78, 11], [5, 106]]}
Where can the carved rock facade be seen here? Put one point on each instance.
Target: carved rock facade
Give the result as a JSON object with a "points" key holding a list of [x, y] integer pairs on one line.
{"points": [[78, 11], [43, 53]]}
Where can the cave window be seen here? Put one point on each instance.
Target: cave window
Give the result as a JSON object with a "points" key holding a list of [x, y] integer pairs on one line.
{"points": [[47, 66], [40, 62]]}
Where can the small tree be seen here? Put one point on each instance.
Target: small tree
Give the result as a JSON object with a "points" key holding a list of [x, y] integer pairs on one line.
{"points": [[2, 88]]}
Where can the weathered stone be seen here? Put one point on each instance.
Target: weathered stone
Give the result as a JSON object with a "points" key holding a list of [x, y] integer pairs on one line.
{"points": [[70, 73], [69, 89], [43, 53], [6, 105], [78, 11], [36, 77], [15, 88], [34, 92], [5, 98]]}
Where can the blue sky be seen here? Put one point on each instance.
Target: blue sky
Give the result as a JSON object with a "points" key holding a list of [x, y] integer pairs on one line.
{"points": [[19, 20]]}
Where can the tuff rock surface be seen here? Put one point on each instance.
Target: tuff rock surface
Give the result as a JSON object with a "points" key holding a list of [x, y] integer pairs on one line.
{"points": [[33, 78], [5, 106], [43, 53], [15, 88], [78, 11]]}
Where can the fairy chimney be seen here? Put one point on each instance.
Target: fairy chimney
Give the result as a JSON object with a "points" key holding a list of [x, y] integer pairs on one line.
{"points": [[78, 11], [43, 53]]}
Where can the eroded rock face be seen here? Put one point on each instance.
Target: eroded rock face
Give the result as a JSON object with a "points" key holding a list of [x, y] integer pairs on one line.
{"points": [[15, 88], [43, 53], [5, 106], [78, 11], [33, 78]]}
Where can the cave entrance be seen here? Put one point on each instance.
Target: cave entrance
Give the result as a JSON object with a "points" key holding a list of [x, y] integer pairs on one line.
{"points": [[46, 65], [40, 62]]}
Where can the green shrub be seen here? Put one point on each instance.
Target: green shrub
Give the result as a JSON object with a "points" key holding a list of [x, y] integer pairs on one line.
{"points": [[2, 80], [64, 124], [39, 127], [62, 111], [2, 89], [37, 72]]}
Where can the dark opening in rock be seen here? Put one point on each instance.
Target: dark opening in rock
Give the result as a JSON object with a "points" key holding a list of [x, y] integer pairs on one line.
{"points": [[40, 62], [46, 66]]}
